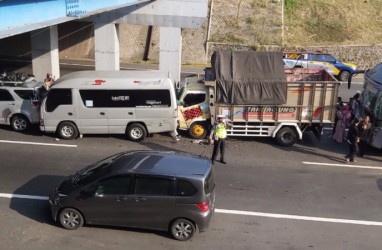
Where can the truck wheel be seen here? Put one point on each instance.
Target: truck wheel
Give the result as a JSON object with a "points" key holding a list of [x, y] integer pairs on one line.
{"points": [[286, 136], [136, 132], [20, 123], [67, 131], [344, 76], [198, 130]]}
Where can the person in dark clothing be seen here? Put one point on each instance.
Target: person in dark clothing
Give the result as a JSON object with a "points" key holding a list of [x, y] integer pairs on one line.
{"points": [[355, 105], [352, 140], [364, 131], [339, 106]]}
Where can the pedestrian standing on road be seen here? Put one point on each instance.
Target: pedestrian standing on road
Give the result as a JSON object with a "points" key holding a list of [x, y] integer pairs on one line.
{"points": [[339, 106], [355, 105], [353, 140], [218, 138], [344, 117], [364, 131]]}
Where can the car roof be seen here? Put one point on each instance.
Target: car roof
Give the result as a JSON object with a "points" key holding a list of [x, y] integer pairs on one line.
{"points": [[161, 163]]}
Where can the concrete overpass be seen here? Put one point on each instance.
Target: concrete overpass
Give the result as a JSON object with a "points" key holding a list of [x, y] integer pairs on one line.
{"points": [[40, 18]]}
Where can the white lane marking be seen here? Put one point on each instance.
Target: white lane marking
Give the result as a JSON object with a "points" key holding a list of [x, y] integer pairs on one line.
{"points": [[350, 165], [38, 143], [238, 212], [22, 196], [297, 217]]}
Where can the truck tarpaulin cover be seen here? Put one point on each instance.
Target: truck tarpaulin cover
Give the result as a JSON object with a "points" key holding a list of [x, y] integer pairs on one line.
{"points": [[249, 77]]}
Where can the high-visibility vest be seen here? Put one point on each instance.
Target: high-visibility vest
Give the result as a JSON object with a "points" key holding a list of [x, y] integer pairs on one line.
{"points": [[220, 131]]}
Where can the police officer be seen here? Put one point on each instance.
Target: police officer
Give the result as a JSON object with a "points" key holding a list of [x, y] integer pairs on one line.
{"points": [[218, 138]]}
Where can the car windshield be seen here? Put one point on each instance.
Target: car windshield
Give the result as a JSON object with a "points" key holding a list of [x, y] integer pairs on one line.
{"points": [[94, 170]]}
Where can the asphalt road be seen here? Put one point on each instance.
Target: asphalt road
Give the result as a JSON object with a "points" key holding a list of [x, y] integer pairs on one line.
{"points": [[268, 197]]}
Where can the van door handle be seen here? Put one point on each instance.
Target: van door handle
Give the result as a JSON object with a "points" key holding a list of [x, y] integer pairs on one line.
{"points": [[139, 199], [12, 104], [70, 113], [130, 113], [102, 113]]}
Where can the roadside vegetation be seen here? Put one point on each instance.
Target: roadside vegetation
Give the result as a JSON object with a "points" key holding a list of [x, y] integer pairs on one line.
{"points": [[304, 23], [332, 22]]}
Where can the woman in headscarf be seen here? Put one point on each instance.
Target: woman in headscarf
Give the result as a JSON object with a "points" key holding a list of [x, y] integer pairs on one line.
{"points": [[344, 118]]}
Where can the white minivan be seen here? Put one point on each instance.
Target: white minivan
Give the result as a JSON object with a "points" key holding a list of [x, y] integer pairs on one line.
{"points": [[135, 103]]}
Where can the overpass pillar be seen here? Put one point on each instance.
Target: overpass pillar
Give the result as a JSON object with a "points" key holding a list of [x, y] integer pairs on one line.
{"points": [[170, 51], [106, 46], [45, 54]]}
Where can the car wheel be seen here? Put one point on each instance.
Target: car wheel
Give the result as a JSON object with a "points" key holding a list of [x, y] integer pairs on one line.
{"points": [[20, 123], [136, 132], [198, 130], [182, 229], [286, 136], [71, 219], [344, 76], [67, 131]]}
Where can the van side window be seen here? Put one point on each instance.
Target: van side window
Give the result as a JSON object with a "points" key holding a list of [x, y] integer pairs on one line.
{"points": [[154, 186], [57, 97], [125, 98], [193, 98], [94, 98], [184, 188], [5, 95], [118, 185], [152, 98]]}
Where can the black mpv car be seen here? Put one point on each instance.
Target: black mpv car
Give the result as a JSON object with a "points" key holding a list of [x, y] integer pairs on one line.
{"points": [[142, 189]]}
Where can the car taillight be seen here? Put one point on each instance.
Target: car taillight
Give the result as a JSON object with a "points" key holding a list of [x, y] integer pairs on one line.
{"points": [[203, 206]]}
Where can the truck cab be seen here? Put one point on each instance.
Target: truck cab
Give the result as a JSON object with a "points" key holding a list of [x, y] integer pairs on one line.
{"points": [[193, 107]]}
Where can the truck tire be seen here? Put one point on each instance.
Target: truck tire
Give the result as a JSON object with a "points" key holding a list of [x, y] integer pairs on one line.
{"points": [[198, 130], [136, 132], [286, 136], [344, 76], [67, 131]]}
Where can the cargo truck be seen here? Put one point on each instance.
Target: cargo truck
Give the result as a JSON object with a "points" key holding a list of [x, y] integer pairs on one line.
{"points": [[259, 97]]}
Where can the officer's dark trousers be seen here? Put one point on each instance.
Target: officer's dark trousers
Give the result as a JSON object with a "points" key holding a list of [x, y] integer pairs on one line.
{"points": [[220, 143]]}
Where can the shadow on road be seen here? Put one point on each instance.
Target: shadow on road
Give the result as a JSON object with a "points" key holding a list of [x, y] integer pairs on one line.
{"points": [[37, 210]]}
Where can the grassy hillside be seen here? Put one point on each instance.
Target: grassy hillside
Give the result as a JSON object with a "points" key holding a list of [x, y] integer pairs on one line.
{"points": [[332, 22]]}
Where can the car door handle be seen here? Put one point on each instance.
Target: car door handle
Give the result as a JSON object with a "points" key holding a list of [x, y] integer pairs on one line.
{"points": [[139, 199], [11, 104], [130, 113], [70, 113], [102, 113]]}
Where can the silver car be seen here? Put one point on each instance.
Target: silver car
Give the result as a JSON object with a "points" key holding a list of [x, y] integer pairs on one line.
{"points": [[20, 104]]}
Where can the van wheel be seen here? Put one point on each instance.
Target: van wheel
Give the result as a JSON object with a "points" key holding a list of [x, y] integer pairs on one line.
{"points": [[136, 132], [286, 137], [67, 131], [198, 130], [20, 123], [71, 219], [182, 229]]}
